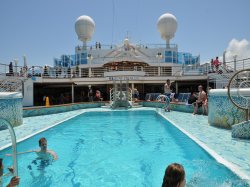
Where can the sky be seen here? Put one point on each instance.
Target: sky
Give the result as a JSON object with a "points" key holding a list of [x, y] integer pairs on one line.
{"points": [[43, 30]]}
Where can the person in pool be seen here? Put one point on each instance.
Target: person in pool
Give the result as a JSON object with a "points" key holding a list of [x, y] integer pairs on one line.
{"points": [[174, 176], [14, 180], [43, 153]]}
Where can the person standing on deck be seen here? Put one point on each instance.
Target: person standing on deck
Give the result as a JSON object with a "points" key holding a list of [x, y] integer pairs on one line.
{"points": [[11, 68], [202, 97], [90, 94], [167, 88], [216, 64]]}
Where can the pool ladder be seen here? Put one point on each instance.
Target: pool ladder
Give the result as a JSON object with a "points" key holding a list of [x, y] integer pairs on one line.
{"points": [[13, 140]]}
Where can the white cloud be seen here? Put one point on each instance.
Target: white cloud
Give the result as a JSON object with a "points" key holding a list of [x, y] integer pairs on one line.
{"points": [[241, 48]]}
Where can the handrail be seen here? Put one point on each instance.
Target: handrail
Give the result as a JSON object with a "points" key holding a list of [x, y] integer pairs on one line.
{"points": [[247, 109], [237, 65], [152, 70], [13, 140], [238, 60], [110, 46]]}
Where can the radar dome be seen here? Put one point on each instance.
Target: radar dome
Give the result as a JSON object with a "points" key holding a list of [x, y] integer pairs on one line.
{"points": [[126, 41], [84, 27], [167, 26]]}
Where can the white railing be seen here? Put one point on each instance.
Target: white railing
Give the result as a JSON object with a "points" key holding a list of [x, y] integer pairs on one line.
{"points": [[95, 72], [13, 84], [12, 70], [220, 76], [99, 46], [12, 77], [239, 64]]}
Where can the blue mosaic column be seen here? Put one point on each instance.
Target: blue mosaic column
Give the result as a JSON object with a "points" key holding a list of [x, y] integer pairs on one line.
{"points": [[221, 111], [11, 108]]}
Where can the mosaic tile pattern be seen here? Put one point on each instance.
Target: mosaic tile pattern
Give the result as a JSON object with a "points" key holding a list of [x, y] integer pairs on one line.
{"points": [[11, 111], [181, 107], [38, 111], [223, 113], [241, 130]]}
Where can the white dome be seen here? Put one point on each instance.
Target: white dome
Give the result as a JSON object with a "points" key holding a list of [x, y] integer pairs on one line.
{"points": [[126, 41], [84, 27], [167, 26]]}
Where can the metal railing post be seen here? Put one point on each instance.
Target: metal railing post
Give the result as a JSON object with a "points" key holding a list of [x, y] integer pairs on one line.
{"points": [[206, 68], [5, 70], [247, 114], [23, 87], [235, 56]]}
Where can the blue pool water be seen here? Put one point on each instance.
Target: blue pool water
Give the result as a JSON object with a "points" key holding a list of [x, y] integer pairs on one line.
{"points": [[119, 148]]}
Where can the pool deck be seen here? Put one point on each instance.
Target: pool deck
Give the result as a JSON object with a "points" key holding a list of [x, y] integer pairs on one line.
{"points": [[235, 153]]}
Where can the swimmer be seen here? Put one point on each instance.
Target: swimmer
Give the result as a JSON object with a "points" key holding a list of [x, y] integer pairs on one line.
{"points": [[174, 176], [43, 153], [14, 180]]}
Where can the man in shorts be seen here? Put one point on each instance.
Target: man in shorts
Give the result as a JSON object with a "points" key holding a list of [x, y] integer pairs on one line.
{"points": [[202, 97]]}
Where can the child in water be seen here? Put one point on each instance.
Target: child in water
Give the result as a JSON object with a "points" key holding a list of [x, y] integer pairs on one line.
{"points": [[174, 176]]}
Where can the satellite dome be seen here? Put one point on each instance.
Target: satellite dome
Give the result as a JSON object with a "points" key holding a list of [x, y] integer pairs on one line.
{"points": [[167, 26], [84, 27], [126, 41]]}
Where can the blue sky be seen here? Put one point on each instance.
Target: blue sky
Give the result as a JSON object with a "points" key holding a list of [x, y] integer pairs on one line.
{"points": [[45, 29]]}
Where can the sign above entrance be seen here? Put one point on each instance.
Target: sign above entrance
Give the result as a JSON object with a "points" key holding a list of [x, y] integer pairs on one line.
{"points": [[124, 74], [124, 78]]}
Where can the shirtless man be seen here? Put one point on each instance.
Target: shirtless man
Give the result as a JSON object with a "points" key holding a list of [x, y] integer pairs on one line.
{"points": [[43, 153], [167, 89], [202, 97]]}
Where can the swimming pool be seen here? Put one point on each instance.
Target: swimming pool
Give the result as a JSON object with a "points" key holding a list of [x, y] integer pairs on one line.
{"points": [[118, 148]]}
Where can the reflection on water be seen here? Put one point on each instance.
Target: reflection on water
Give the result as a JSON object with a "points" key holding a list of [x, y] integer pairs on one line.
{"points": [[37, 170]]}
